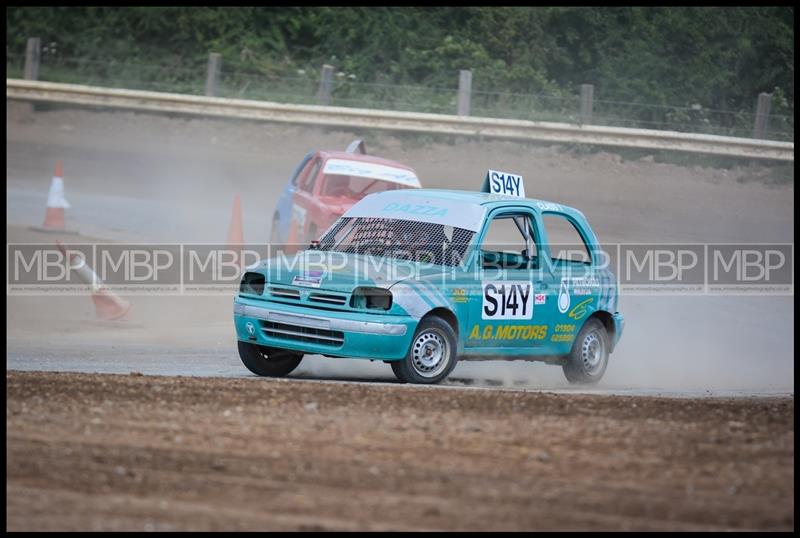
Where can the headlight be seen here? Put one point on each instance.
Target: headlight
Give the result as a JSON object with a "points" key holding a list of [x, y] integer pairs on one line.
{"points": [[252, 283], [373, 298]]}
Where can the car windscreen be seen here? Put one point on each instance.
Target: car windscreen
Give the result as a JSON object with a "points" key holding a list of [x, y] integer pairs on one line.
{"points": [[424, 242], [355, 186]]}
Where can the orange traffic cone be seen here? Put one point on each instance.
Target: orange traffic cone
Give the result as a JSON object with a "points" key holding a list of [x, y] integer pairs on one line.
{"points": [[107, 305], [56, 203]]}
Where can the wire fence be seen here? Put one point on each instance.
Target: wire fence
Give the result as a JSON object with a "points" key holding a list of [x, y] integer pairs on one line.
{"points": [[346, 91]]}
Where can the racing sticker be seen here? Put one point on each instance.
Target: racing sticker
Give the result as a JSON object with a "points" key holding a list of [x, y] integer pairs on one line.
{"points": [[371, 170], [503, 183], [585, 285], [540, 298], [503, 299], [580, 309], [563, 297], [548, 206], [311, 280], [397, 205], [459, 295], [508, 332]]}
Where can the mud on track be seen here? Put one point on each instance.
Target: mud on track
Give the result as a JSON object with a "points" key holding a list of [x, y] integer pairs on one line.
{"points": [[116, 452]]}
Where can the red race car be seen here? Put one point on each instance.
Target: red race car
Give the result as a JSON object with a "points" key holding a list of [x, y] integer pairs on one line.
{"points": [[326, 184]]}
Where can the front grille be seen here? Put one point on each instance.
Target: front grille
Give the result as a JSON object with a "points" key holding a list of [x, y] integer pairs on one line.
{"points": [[284, 293], [328, 298], [309, 335]]}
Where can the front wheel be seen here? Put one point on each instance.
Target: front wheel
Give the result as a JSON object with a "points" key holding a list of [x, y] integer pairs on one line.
{"points": [[432, 355], [587, 361], [267, 361]]}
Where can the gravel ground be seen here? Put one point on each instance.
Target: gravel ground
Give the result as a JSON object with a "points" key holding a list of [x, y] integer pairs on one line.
{"points": [[132, 452]]}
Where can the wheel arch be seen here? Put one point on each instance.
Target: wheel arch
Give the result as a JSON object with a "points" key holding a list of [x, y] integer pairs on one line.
{"points": [[446, 314], [608, 322]]}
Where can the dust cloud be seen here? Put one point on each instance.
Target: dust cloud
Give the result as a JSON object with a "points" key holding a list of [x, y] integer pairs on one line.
{"points": [[146, 178]]}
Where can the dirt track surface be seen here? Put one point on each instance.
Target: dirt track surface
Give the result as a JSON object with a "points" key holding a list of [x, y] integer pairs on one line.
{"points": [[111, 452], [134, 177]]}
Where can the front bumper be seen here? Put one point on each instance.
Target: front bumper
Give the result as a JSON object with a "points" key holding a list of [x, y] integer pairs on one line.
{"points": [[324, 332]]}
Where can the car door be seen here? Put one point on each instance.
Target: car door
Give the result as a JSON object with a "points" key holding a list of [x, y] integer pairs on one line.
{"points": [[283, 209], [568, 277], [503, 313]]}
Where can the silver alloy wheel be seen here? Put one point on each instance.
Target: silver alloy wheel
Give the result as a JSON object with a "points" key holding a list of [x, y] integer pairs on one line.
{"points": [[592, 352], [430, 353]]}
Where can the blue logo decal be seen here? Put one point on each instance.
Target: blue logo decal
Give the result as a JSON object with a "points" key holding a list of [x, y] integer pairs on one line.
{"points": [[416, 209]]}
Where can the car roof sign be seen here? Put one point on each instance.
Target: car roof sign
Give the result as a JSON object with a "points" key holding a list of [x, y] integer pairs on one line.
{"points": [[503, 183]]}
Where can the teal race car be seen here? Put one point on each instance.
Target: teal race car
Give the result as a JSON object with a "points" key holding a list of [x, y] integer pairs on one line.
{"points": [[422, 278]]}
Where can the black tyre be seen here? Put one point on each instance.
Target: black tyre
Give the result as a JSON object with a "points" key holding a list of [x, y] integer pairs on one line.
{"points": [[587, 361], [431, 356], [267, 361]]}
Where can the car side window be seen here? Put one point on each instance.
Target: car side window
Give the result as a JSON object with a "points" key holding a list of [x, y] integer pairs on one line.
{"points": [[509, 242], [566, 242], [302, 167], [307, 181]]}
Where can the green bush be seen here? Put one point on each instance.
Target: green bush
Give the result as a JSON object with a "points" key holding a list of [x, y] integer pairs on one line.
{"points": [[685, 68]]}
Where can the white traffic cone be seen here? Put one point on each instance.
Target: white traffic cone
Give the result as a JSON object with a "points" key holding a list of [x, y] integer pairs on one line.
{"points": [[107, 305], [56, 204]]}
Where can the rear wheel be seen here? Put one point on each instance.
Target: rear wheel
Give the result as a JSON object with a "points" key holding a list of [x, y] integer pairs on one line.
{"points": [[432, 355], [588, 359], [268, 361]]}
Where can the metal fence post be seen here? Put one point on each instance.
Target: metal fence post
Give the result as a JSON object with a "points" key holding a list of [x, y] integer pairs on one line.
{"points": [[587, 103], [464, 92], [325, 85], [762, 115], [32, 56], [212, 75]]}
